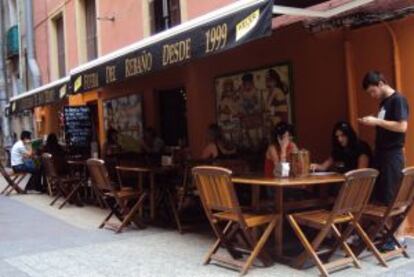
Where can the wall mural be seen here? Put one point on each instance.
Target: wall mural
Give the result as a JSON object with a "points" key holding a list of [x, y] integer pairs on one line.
{"points": [[250, 103], [124, 114]]}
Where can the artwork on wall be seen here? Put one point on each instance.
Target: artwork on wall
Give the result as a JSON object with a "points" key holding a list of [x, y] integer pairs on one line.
{"points": [[124, 114], [250, 103]]}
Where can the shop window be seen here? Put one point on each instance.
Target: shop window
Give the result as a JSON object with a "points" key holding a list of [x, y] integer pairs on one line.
{"points": [[90, 18], [58, 47], [164, 14]]}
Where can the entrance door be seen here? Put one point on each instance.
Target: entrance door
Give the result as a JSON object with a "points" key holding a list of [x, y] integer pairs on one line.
{"points": [[93, 105], [173, 111]]}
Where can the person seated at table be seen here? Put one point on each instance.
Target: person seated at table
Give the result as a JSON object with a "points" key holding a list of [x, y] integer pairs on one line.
{"points": [[217, 147], [22, 161], [280, 148], [53, 147], [151, 143], [111, 146], [348, 151]]}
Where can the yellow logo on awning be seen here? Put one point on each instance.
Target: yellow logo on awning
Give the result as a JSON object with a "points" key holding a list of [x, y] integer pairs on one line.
{"points": [[247, 24], [78, 84], [62, 92]]}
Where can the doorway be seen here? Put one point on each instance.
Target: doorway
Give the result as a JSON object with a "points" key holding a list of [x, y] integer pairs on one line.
{"points": [[93, 106], [173, 116]]}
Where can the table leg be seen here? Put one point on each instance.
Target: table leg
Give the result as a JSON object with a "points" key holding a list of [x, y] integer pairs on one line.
{"points": [[152, 196], [279, 227]]}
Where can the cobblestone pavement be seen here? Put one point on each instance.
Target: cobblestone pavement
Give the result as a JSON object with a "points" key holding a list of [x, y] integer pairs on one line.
{"points": [[41, 241]]}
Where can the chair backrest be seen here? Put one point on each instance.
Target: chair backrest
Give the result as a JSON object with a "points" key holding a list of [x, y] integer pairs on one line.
{"points": [[216, 189], [49, 166], [99, 175], [404, 196], [355, 191]]}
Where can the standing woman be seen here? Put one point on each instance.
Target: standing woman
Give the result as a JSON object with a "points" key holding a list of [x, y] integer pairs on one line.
{"points": [[347, 153], [280, 148]]}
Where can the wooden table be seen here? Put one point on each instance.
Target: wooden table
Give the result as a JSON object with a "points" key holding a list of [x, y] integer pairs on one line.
{"points": [[279, 184]]}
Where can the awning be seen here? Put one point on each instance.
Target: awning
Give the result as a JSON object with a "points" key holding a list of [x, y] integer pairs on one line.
{"points": [[44, 95], [217, 31]]}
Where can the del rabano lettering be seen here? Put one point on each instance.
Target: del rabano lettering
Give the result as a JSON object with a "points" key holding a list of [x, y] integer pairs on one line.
{"points": [[138, 65], [176, 52]]}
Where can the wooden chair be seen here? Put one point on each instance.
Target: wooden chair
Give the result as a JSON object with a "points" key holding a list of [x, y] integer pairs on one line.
{"points": [[222, 207], [385, 220], [124, 203], [13, 180], [347, 209], [62, 186]]}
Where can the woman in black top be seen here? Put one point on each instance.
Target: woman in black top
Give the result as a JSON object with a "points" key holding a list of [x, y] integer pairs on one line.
{"points": [[218, 147], [348, 152]]}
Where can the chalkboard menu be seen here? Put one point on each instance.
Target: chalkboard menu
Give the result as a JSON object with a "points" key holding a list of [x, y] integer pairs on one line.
{"points": [[78, 125]]}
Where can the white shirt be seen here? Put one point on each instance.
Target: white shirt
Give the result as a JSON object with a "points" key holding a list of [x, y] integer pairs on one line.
{"points": [[17, 153]]}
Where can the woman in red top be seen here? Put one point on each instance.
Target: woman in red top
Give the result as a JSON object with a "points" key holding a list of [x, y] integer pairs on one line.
{"points": [[280, 148]]}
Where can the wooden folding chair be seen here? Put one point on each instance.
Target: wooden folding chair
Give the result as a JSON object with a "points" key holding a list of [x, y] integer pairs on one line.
{"points": [[385, 220], [13, 180], [124, 203], [348, 208], [62, 186], [221, 206]]}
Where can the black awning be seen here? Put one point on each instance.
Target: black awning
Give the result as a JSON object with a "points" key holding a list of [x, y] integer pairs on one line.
{"points": [[44, 95], [220, 30]]}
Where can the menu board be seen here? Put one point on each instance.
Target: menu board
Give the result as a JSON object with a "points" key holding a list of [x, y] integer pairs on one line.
{"points": [[78, 125]]}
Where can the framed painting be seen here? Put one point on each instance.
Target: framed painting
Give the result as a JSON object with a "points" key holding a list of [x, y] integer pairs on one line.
{"points": [[249, 104], [124, 114]]}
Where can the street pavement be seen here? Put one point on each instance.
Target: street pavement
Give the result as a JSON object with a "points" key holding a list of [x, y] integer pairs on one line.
{"points": [[41, 241]]}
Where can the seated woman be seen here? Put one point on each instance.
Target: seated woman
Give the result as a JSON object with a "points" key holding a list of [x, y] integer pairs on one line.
{"points": [[217, 147], [280, 148], [53, 147], [111, 146], [348, 152]]}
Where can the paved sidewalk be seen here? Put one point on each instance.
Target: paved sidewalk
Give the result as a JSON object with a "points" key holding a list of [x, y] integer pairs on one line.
{"points": [[41, 241]]}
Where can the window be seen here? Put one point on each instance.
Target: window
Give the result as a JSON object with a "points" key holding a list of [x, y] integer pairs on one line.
{"points": [[90, 19], [164, 14], [60, 46]]}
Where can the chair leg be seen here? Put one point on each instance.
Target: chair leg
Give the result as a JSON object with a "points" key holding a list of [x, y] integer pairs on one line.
{"points": [[106, 220], [307, 245], [55, 199], [216, 245], [132, 212], [259, 245], [369, 243], [175, 212], [75, 190], [345, 246], [5, 189]]}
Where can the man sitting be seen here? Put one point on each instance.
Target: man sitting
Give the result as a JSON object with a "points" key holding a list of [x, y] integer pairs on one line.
{"points": [[21, 161]]}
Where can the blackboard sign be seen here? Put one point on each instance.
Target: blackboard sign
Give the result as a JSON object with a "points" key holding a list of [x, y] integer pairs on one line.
{"points": [[78, 125]]}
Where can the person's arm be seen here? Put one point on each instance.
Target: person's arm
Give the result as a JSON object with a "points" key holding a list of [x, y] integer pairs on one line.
{"points": [[272, 154], [363, 161], [394, 126], [209, 152], [323, 166]]}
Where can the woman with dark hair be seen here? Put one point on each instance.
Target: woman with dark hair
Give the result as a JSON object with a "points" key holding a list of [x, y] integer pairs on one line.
{"points": [[217, 147], [111, 146], [281, 147], [348, 152], [53, 147]]}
